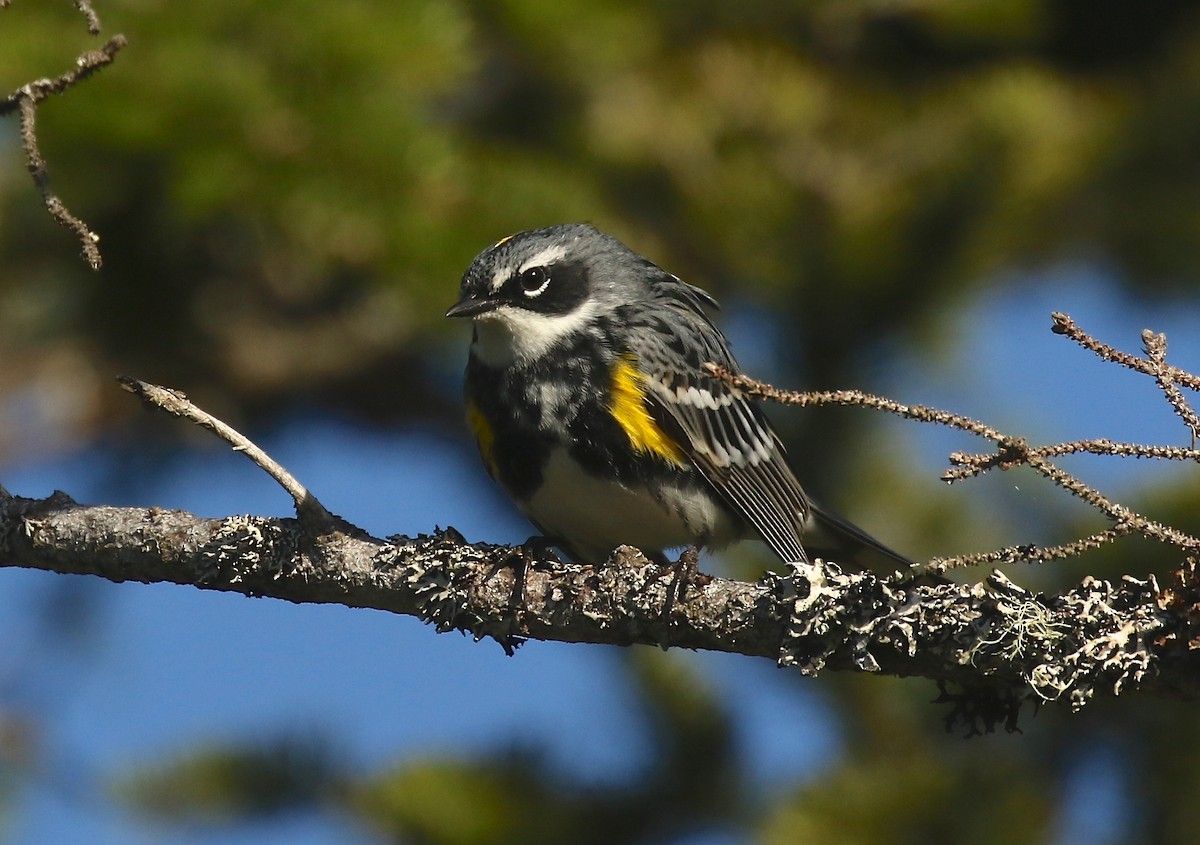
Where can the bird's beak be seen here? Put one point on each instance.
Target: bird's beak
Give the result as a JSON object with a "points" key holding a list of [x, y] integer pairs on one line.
{"points": [[471, 306]]}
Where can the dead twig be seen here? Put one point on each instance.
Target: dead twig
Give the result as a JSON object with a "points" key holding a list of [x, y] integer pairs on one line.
{"points": [[1030, 553], [969, 464], [920, 413], [1015, 451], [26, 99], [1156, 352], [177, 404], [93, 20], [1064, 325], [88, 240]]}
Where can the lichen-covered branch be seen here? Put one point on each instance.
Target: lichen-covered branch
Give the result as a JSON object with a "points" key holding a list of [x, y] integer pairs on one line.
{"points": [[995, 640]]}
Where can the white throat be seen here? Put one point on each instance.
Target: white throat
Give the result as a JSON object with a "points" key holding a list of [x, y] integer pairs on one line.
{"points": [[511, 335]]}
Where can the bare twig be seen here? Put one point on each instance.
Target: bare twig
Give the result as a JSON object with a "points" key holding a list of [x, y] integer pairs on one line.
{"points": [[25, 100], [1156, 352], [93, 20], [1015, 451], [85, 65], [968, 464], [1014, 454], [177, 404], [921, 413], [1030, 553], [1116, 512], [88, 239], [1065, 326]]}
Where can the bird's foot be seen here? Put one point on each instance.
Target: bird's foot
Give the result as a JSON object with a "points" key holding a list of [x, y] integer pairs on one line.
{"points": [[684, 573], [536, 548]]}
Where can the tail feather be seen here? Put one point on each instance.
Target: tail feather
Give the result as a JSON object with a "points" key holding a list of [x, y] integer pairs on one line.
{"points": [[829, 536]]}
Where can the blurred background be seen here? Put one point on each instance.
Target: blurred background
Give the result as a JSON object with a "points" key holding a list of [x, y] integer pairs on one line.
{"points": [[888, 196]]}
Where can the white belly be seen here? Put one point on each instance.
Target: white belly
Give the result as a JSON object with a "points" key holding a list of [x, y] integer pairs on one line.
{"points": [[595, 515]]}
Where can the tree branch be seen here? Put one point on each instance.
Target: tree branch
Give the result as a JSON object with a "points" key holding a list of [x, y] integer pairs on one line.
{"points": [[25, 101], [998, 641]]}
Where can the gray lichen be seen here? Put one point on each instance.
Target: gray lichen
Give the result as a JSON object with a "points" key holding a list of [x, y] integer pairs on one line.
{"points": [[1093, 639], [244, 547]]}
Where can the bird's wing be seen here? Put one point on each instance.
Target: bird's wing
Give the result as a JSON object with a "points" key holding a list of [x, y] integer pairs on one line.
{"points": [[725, 436]]}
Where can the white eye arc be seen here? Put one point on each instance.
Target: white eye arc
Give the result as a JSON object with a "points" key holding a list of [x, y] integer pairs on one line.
{"points": [[533, 282]]}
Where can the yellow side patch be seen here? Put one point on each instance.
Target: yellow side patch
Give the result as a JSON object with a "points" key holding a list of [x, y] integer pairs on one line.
{"points": [[484, 436], [628, 407]]}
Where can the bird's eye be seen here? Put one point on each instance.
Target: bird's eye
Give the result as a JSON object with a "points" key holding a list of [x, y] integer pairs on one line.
{"points": [[533, 281]]}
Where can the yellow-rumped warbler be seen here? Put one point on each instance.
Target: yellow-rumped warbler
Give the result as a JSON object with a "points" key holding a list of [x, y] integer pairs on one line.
{"points": [[585, 393]]}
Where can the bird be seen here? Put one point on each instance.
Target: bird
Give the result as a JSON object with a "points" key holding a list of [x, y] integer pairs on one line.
{"points": [[586, 395]]}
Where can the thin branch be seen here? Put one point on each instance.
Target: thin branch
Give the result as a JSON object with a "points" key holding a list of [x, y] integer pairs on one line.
{"points": [[85, 65], [1013, 454], [1065, 326], [25, 100], [969, 464], [921, 413], [93, 20], [1156, 351], [1015, 451], [84, 6], [1120, 514], [1031, 553], [176, 403], [88, 240]]}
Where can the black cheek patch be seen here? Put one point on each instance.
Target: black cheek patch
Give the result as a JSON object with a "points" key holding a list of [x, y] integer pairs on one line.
{"points": [[566, 291]]}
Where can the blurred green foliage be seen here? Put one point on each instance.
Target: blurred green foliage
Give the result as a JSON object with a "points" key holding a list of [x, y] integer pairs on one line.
{"points": [[226, 785], [287, 193]]}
